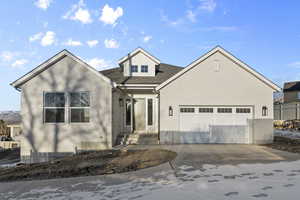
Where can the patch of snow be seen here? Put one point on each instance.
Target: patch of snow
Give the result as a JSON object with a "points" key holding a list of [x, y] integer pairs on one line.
{"points": [[287, 133], [246, 181]]}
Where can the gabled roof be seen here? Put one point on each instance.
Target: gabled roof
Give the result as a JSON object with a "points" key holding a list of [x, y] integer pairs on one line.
{"points": [[163, 72], [291, 86], [48, 63], [230, 56], [136, 51]]}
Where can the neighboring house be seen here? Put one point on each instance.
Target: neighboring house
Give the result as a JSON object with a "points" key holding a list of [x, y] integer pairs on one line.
{"points": [[68, 106], [289, 107], [12, 120], [291, 92]]}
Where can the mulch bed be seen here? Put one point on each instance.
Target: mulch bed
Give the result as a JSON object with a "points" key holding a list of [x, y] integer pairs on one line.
{"points": [[89, 164], [285, 144]]}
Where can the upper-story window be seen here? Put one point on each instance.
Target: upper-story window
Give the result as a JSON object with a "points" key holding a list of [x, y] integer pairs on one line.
{"points": [[144, 68], [134, 68]]}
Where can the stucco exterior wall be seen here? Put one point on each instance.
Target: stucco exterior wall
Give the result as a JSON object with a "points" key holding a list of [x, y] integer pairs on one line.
{"points": [[215, 81], [66, 75], [139, 59]]}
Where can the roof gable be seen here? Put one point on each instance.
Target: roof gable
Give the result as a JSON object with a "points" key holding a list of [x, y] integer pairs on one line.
{"points": [[48, 63], [135, 52], [228, 55]]}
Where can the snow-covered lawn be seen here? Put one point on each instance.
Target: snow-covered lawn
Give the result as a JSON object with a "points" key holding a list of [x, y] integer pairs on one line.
{"points": [[246, 181], [291, 134]]}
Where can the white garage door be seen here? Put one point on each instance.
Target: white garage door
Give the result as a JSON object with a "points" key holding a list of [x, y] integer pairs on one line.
{"points": [[214, 124]]}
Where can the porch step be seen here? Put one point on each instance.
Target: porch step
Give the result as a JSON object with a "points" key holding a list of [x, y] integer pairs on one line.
{"points": [[146, 138]]}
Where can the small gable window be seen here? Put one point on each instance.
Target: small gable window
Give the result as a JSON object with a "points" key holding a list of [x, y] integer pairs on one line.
{"points": [[134, 68], [144, 68]]}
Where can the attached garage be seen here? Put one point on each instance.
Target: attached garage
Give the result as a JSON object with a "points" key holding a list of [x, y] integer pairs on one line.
{"points": [[215, 124], [216, 99]]}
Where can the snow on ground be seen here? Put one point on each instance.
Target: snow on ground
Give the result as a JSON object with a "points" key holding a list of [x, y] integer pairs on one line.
{"points": [[287, 133], [246, 181]]}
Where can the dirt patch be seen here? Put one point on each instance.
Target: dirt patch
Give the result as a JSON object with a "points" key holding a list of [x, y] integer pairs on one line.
{"points": [[89, 164], [285, 144]]}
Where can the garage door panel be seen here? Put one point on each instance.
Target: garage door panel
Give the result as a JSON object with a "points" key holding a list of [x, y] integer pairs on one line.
{"points": [[223, 125], [229, 134]]}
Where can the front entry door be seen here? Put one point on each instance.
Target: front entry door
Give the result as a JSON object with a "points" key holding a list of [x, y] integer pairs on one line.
{"points": [[139, 117]]}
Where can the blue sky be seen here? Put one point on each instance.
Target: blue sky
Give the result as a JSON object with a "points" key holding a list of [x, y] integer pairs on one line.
{"points": [[264, 34]]}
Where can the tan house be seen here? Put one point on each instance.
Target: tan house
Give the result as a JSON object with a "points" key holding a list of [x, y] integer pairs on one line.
{"points": [[69, 106]]}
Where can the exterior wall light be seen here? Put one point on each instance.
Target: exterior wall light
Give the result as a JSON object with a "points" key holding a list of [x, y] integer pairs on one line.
{"points": [[264, 111], [121, 102], [170, 111]]}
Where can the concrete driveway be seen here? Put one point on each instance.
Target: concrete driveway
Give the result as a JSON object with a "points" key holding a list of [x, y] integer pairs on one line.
{"points": [[197, 155]]}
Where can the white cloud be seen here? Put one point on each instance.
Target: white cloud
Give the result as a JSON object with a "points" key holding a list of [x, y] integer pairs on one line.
{"points": [[7, 56], [19, 63], [99, 63], [43, 4], [48, 39], [109, 15], [35, 37], [191, 16], [78, 12], [112, 43], [73, 43], [147, 38], [92, 43], [82, 15], [208, 5], [295, 64]]}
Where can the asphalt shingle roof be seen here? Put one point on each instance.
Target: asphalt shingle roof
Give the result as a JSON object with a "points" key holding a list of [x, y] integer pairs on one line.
{"points": [[291, 86], [163, 72]]}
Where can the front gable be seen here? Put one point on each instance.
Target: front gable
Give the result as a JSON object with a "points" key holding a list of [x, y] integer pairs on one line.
{"points": [[141, 60], [53, 62], [215, 58]]}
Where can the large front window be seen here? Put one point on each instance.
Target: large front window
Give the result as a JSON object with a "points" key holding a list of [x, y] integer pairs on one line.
{"points": [[54, 107], [79, 107]]}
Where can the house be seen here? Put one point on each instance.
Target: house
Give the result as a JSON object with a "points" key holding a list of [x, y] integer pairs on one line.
{"points": [[68, 106], [12, 121], [288, 107], [291, 92]]}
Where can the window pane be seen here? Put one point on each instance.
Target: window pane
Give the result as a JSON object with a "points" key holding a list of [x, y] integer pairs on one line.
{"points": [[54, 99], [128, 112], [150, 112], [243, 110], [54, 115], [206, 110], [187, 110], [224, 110], [144, 68], [80, 115], [134, 68], [79, 99]]}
